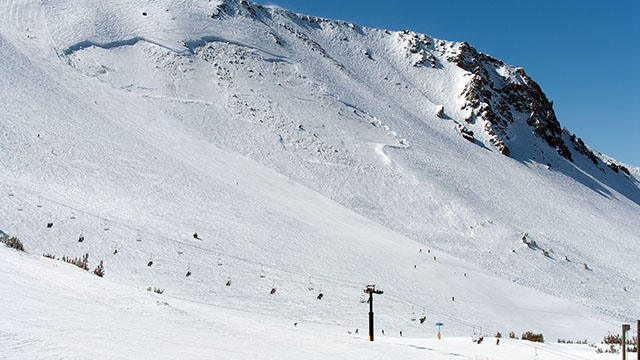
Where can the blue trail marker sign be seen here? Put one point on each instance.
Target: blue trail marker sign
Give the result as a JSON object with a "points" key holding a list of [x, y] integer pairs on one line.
{"points": [[439, 324]]}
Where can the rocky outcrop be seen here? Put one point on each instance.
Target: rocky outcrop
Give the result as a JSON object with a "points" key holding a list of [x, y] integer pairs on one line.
{"points": [[466, 133], [495, 98], [580, 147]]}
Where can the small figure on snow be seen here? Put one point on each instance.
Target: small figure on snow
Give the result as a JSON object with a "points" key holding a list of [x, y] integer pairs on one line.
{"points": [[195, 235]]}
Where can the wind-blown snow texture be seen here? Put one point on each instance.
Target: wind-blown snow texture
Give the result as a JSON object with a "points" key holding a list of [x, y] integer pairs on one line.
{"points": [[314, 151]]}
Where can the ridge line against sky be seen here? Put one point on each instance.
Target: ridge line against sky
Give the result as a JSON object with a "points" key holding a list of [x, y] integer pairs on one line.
{"points": [[584, 55]]}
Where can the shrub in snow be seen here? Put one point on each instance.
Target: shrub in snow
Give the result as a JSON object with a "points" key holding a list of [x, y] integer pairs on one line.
{"points": [[612, 349], [612, 339], [512, 335], [498, 335], [81, 263], [532, 337], [12, 242], [155, 290], [99, 270], [49, 256]]}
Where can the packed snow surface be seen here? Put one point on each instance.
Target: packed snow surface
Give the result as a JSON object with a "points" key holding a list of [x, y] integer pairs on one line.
{"points": [[308, 156]]}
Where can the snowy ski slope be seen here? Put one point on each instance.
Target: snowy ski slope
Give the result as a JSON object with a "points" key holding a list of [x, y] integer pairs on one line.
{"points": [[306, 153]]}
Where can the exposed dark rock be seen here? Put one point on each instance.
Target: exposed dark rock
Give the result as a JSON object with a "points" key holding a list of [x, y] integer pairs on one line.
{"points": [[495, 103], [580, 147], [466, 133]]}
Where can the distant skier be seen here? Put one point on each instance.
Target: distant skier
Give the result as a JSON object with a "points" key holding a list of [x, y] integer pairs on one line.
{"points": [[195, 235], [498, 341], [400, 332], [356, 330]]}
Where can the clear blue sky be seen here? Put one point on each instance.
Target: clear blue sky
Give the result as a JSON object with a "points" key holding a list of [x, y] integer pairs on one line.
{"points": [[584, 54]]}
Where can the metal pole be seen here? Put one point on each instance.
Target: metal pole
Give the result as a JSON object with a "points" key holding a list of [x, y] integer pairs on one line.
{"points": [[371, 289], [623, 340], [371, 316]]}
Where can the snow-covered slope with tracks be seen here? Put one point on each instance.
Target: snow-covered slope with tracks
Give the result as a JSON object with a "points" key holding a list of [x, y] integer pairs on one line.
{"points": [[308, 151]]}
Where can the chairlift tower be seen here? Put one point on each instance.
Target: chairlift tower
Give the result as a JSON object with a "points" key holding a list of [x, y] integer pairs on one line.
{"points": [[371, 289]]}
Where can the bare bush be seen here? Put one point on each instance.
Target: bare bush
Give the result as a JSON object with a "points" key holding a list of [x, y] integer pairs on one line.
{"points": [[612, 339], [532, 337], [12, 242], [99, 270], [155, 290], [82, 263]]}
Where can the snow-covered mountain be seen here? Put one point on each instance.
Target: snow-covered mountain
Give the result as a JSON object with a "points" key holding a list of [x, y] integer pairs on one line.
{"points": [[310, 156]]}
